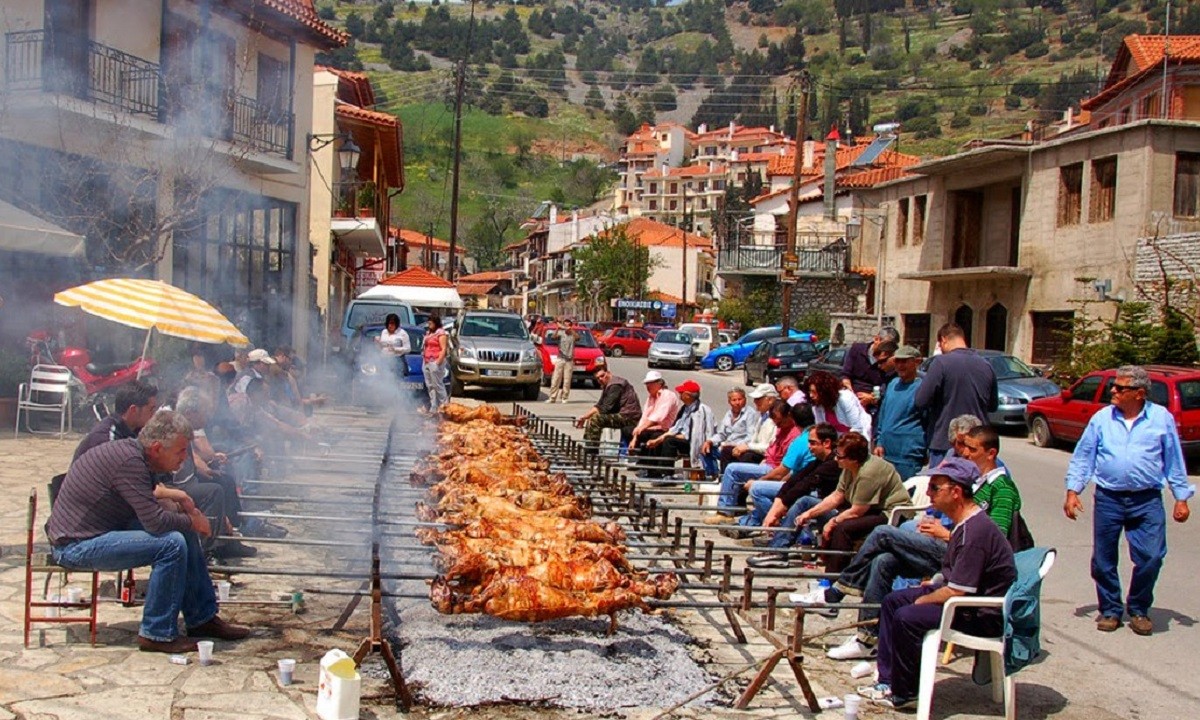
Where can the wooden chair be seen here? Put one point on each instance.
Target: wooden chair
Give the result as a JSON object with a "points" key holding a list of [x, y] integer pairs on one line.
{"points": [[48, 391], [44, 563]]}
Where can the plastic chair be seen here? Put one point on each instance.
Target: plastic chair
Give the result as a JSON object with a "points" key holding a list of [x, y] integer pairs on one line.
{"points": [[1004, 688], [51, 383], [44, 563], [917, 487]]}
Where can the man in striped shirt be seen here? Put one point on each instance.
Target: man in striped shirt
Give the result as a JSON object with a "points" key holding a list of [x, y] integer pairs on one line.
{"points": [[109, 515], [134, 405]]}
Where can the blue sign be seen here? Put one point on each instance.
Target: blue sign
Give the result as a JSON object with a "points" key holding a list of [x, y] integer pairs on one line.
{"points": [[668, 310]]}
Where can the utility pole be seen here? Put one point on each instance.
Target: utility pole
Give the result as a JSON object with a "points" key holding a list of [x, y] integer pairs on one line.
{"points": [[793, 215], [459, 87], [683, 228]]}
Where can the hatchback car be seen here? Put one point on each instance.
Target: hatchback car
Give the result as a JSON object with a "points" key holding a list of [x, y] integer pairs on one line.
{"points": [[586, 352], [1064, 416], [671, 347], [775, 358], [1017, 384], [730, 356], [830, 360], [626, 341]]}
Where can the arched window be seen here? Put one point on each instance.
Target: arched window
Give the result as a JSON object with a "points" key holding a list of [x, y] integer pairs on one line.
{"points": [[839, 335], [996, 335], [962, 318]]}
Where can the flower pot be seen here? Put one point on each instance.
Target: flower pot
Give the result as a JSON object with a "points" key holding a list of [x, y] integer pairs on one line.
{"points": [[366, 212], [341, 213]]}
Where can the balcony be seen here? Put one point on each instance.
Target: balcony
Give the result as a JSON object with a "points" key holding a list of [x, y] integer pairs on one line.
{"points": [[814, 259]]}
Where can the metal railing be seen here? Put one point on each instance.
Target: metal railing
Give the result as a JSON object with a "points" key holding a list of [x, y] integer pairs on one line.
{"points": [[262, 127], [815, 256]]}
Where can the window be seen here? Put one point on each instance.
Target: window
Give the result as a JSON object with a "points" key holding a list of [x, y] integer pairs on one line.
{"points": [[1070, 194], [1150, 106], [1187, 184], [963, 317], [919, 205], [674, 205], [1051, 335], [653, 188], [902, 223], [1086, 388], [653, 204], [1158, 393], [916, 331], [674, 188], [1103, 198], [996, 328]]}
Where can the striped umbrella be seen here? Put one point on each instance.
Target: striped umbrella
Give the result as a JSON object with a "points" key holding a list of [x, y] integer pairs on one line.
{"points": [[153, 305]]}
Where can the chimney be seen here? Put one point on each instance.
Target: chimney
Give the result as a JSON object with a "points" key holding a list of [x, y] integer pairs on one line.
{"points": [[574, 226], [731, 126], [553, 214], [733, 156], [831, 143], [772, 129], [810, 151], [710, 166], [702, 129]]}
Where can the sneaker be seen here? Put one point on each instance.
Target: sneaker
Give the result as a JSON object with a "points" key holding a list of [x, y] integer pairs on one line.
{"points": [[762, 540], [262, 529], [876, 692], [1108, 623], [852, 649], [901, 704], [228, 549], [1141, 625], [719, 519], [813, 602], [768, 560]]}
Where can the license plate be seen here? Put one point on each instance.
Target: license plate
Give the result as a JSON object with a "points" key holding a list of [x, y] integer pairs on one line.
{"points": [[412, 385], [500, 373]]}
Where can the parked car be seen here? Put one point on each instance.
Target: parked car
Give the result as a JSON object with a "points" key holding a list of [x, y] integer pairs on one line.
{"points": [[704, 337], [730, 356], [1063, 416], [626, 341], [671, 347], [586, 352], [599, 329], [726, 337], [830, 360], [1017, 385], [378, 376], [775, 358], [492, 348]]}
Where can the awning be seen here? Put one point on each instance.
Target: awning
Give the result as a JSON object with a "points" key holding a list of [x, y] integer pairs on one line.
{"points": [[981, 273], [423, 297], [23, 232], [361, 236]]}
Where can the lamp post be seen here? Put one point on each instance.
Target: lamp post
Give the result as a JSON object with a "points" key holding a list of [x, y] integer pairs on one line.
{"points": [[596, 300]]}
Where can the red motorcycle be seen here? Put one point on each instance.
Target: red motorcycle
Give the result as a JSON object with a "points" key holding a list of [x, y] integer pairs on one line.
{"points": [[90, 379]]}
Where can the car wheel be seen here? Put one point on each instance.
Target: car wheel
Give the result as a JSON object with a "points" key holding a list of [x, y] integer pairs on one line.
{"points": [[531, 391], [456, 387], [617, 351], [1040, 432], [651, 364], [724, 363]]}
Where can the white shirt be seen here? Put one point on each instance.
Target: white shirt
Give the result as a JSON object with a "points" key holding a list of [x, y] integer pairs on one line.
{"points": [[397, 342]]}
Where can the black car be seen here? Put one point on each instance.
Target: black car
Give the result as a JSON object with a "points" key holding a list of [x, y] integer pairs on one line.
{"points": [[779, 357], [830, 361]]}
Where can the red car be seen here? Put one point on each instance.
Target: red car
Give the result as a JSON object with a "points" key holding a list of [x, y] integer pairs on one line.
{"points": [[586, 352], [1063, 417], [626, 341]]}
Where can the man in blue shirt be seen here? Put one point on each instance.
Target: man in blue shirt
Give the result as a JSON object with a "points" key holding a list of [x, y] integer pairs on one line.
{"points": [[1131, 450], [900, 428]]}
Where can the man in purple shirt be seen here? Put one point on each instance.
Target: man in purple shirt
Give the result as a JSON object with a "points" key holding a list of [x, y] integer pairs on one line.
{"points": [[109, 515]]}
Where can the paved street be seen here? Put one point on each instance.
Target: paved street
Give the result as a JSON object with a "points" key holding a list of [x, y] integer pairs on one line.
{"points": [[1085, 674]]}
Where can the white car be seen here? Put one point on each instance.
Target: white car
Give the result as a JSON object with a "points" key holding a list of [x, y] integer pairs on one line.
{"points": [[704, 337]]}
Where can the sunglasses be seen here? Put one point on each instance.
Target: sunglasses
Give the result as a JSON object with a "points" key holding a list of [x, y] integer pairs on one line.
{"points": [[1123, 388], [934, 488]]}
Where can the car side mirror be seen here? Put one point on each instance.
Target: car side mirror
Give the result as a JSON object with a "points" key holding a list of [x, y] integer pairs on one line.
{"points": [[1039, 372], [1066, 395]]}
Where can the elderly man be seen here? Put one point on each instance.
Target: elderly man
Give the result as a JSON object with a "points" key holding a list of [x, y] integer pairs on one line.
{"points": [[978, 562], [618, 407], [107, 517], [900, 426], [735, 477], [958, 382], [658, 415], [860, 371], [789, 389], [134, 405], [763, 397], [692, 427], [1131, 450], [736, 428]]}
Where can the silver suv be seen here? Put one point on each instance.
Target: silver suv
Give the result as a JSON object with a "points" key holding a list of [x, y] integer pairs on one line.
{"points": [[493, 349]]}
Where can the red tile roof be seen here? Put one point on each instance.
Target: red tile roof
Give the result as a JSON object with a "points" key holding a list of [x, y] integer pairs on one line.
{"points": [[377, 133], [661, 296], [652, 233], [475, 288], [872, 177], [412, 237], [487, 276], [416, 277], [689, 171], [301, 12], [1138, 57]]}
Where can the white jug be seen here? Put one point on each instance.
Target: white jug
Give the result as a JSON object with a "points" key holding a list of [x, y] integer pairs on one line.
{"points": [[339, 687]]}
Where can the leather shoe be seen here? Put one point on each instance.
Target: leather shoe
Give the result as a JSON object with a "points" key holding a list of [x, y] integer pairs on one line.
{"points": [[1107, 623], [178, 645], [1141, 625], [219, 629], [228, 549]]}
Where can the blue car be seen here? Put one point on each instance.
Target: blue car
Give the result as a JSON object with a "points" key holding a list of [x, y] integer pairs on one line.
{"points": [[730, 356], [371, 368]]}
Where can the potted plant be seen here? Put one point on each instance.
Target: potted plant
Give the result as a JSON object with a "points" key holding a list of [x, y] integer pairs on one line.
{"points": [[344, 208], [14, 370], [366, 200]]}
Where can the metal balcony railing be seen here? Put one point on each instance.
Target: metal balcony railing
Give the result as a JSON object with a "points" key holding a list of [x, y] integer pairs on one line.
{"points": [[814, 258], [262, 127]]}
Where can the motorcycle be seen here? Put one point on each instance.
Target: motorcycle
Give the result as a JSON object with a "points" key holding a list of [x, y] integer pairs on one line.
{"points": [[89, 381]]}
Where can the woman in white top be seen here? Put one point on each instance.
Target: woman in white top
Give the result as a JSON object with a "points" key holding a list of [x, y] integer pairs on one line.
{"points": [[834, 404], [394, 340]]}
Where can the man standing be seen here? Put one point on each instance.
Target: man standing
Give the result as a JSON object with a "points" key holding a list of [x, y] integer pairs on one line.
{"points": [[564, 364], [978, 562], [618, 407], [134, 405], [861, 373], [900, 427], [658, 415], [958, 382], [107, 492], [1131, 450]]}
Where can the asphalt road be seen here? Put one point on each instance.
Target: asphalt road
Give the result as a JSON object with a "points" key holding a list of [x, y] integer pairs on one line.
{"points": [[1084, 674]]}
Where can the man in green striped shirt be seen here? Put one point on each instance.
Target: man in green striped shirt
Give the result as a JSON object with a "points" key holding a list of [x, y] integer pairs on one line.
{"points": [[997, 494]]}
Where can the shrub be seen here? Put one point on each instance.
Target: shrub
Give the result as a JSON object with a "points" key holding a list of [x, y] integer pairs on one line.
{"points": [[977, 109], [1026, 88], [1012, 102], [960, 121], [915, 106], [925, 127], [1037, 50]]}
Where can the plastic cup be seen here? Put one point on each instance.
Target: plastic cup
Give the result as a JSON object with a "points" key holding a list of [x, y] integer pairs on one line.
{"points": [[862, 669], [206, 651], [74, 595], [851, 703], [287, 666], [223, 588], [53, 611]]}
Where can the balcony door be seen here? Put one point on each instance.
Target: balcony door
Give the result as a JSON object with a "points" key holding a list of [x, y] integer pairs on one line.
{"points": [[65, 56], [198, 75], [968, 228]]}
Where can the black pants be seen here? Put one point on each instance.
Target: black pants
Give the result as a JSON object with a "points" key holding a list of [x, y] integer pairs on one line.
{"points": [[210, 500], [651, 455]]}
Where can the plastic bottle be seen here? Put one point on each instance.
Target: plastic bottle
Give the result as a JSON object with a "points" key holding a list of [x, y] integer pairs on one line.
{"points": [[806, 536], [814, 531], [876, 392]]}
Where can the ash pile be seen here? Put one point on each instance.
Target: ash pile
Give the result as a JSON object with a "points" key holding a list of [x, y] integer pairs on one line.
{"points": [[535, 600]]}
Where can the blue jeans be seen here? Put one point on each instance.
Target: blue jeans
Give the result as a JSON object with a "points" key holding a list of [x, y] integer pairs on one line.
{"points": [[762, 495], [179, 580], [788, 539], [734, 479], [1140, 514], [888, 553]]}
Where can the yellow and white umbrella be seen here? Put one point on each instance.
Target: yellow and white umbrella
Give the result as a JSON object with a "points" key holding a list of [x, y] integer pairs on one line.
{"points": [[153, 305]]}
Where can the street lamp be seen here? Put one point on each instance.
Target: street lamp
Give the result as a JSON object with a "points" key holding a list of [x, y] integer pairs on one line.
{"points": [[596, 299], [349, 154]]}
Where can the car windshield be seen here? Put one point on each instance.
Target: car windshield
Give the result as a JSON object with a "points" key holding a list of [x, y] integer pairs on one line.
{"points": [[503, 326], [1008, 367], [373, 314], [697, 331], [674, 337], [796, 349], [583, 338]]}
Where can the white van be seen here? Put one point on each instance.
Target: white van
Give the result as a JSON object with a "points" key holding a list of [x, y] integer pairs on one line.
{"points": [[703, 337]]}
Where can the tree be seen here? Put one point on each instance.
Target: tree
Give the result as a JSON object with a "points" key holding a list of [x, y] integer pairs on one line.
{"points": [[594, 99], [587, 180], [355, 25], [621, 266], [758, 306], [487, 236]]}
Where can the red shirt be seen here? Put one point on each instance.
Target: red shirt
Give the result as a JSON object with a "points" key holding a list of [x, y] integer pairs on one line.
{"points": [[779, 446]]}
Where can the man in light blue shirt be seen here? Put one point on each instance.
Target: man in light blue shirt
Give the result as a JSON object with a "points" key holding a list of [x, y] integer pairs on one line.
{"points": [[1131, 450], [736, 428]]}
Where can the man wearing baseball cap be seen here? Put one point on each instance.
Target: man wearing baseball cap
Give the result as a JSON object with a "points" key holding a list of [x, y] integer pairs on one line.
{"points": [[692, 427], [658, 415], [900, 426], [979, 562], [256, 364]]}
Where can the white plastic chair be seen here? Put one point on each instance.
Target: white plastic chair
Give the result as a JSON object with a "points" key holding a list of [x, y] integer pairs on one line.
{"points": [[917, 487], [48, 390], [1004, 688]]}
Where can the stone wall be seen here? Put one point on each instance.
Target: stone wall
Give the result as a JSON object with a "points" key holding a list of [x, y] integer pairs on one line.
{"points": [[1178, 257], [831, 295], [846, 328]]}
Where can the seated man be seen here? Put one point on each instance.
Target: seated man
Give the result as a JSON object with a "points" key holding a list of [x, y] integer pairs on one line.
{"points": [[761, 492], [134, 405], [752, 451], [658, 415], [618, 407], [978, 562], [810, 484], [735, 477], [692, 427], [736, 428], [107, 517]]}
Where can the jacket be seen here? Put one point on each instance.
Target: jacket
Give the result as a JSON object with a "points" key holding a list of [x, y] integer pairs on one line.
{"points": [[1022, 611], [701, 425]]}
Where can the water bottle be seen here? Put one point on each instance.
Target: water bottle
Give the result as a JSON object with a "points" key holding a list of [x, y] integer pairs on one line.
{"points": [[876, 392], [806, 536]]}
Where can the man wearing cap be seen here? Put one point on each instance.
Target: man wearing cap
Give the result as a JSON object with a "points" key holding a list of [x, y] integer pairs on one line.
{"points": [[618, 407], [978, 562], [763, 396], [862, 371], [658, 415], [900, 426], [564, 363], [256, 365], [692, 427]]}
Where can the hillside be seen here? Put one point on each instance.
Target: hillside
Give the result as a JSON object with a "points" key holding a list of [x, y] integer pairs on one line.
{"points": [[552, 81]]}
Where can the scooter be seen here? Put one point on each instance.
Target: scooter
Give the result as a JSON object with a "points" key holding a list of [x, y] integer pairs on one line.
{"points": [[92, 378]]}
